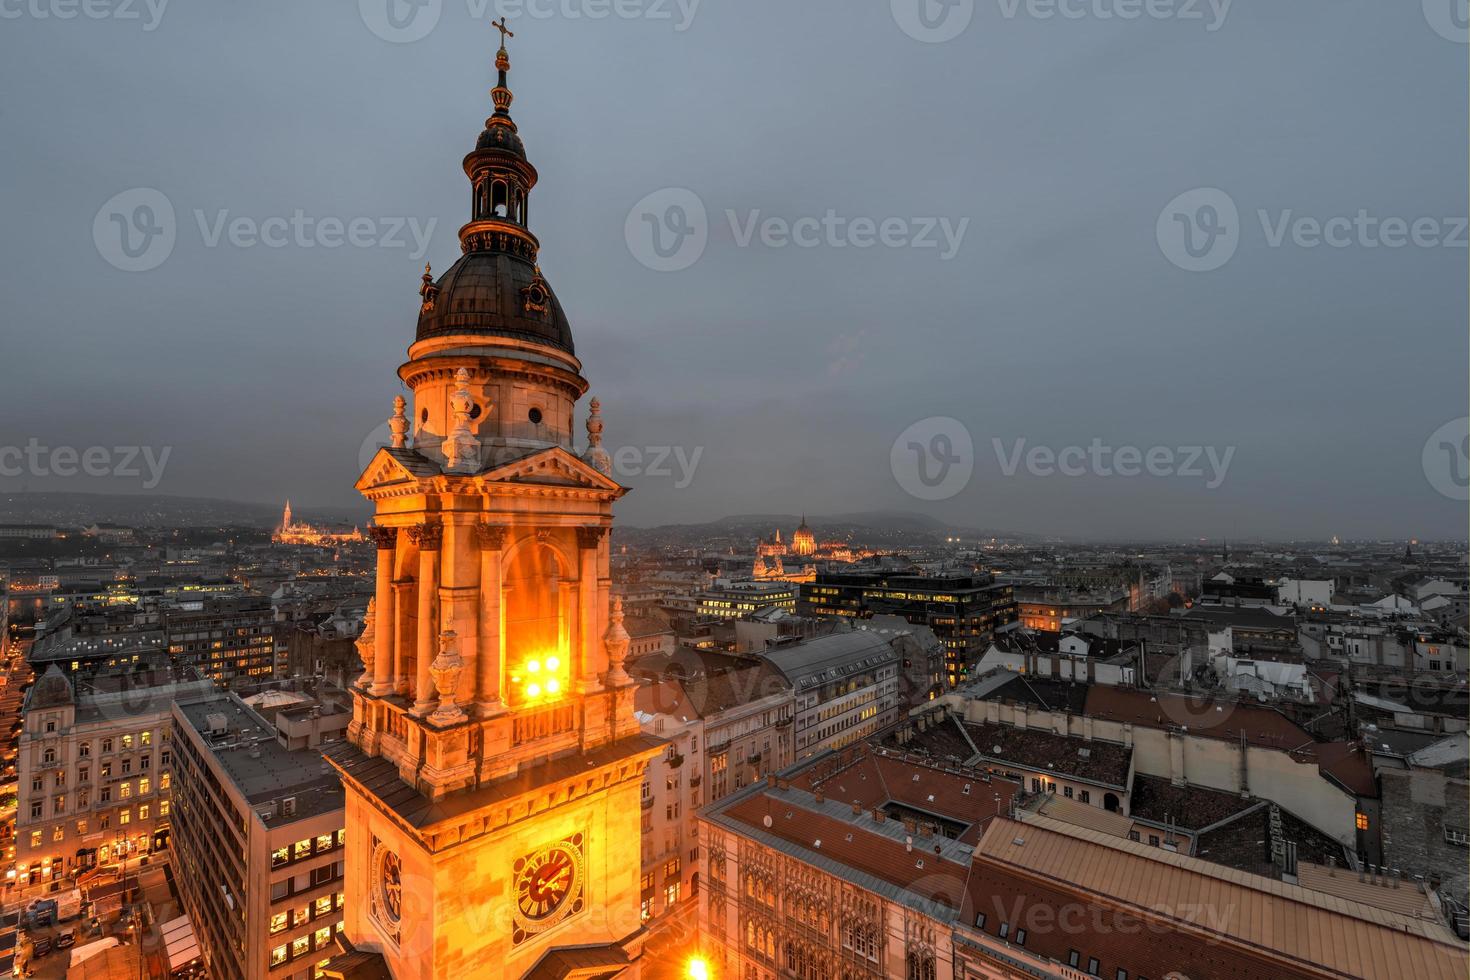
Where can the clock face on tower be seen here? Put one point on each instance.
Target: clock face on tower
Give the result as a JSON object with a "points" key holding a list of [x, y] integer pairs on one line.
{"points": [[387, 884], [548, 886]]}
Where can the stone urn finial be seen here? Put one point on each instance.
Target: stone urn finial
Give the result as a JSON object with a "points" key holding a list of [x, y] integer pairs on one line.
{"points": [[616, 641], [367, 644], [595, 455], [398, 423], [461, 448], [445, 670]]}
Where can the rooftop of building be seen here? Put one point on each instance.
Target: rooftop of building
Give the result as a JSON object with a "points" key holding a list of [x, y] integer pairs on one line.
{"points": [[820, 660], [895, 824], [1090, 760], [1210, 914], [264, 772], [1050, 695], [1243, 841], [706, 695]]}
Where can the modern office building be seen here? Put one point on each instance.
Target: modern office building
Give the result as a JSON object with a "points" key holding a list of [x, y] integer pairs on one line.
{"points": [[963, 611], [735, 599], [229, 638], [258, 843], [846, 687]]}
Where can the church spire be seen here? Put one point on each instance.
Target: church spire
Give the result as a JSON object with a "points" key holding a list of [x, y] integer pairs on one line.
{"points": [[500, 175], [501, 95]]}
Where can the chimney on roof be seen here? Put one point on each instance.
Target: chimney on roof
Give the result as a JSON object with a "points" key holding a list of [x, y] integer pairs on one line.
{"points": [[878, 815], [857, 809], [770, 780], [820, 796]]}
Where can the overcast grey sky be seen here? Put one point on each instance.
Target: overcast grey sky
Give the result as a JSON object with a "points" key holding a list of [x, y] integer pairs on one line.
{"points": [[1059, 311]]}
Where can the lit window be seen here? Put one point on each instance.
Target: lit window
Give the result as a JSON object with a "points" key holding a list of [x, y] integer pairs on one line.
{"points": [[1362, 821]]}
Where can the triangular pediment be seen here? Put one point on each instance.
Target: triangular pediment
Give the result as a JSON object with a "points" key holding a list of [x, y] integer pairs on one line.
{"points": [[552, 467], [393, 467]]}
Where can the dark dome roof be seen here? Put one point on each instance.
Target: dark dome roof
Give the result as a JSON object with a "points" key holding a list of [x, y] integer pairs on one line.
{"points": [[501, 138], [486, 293]]}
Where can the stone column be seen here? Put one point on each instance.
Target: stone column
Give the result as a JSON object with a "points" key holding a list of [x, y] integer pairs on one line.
{"points": [[401, 683], [490, 652], [428, 537], [590, 652], [385, 629]]}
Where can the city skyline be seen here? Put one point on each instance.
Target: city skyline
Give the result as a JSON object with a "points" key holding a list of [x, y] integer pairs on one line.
{"points": [[1288, 362]]}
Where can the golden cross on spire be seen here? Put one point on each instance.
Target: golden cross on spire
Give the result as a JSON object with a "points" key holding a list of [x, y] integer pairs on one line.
{"points": [[505, 32]]}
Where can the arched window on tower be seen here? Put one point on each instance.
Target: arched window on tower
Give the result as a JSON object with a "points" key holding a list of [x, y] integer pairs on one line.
{"points": [[499, 199]]}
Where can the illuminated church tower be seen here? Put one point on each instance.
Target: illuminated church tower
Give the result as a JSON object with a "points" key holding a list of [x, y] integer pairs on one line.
{"points": [[493, 763]]}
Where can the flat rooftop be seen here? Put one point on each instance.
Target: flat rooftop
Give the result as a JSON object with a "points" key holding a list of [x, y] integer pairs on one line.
{"points": [[263, 771]]}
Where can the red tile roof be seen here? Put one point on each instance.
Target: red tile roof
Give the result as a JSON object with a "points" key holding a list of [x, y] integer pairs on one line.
{"points": [[849, 844]]}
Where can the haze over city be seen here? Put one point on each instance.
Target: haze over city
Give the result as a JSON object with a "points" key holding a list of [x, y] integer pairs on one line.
{"points": [[1035, 154]]}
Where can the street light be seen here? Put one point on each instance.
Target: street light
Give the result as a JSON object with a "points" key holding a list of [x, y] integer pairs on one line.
{"points": [[697, 968]]}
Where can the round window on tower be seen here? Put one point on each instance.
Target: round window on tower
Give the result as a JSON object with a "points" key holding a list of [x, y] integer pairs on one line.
{"points": [[535, 416], [424, 417]]}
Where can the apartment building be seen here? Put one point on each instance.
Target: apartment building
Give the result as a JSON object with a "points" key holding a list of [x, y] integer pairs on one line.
{"points": [[94, 767]]}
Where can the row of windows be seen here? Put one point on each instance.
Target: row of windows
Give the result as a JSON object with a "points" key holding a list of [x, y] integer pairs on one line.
{"points": [[303, 849], [104, 822], [302, 914], [302, 947], [84, 773], [84, 749]]}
